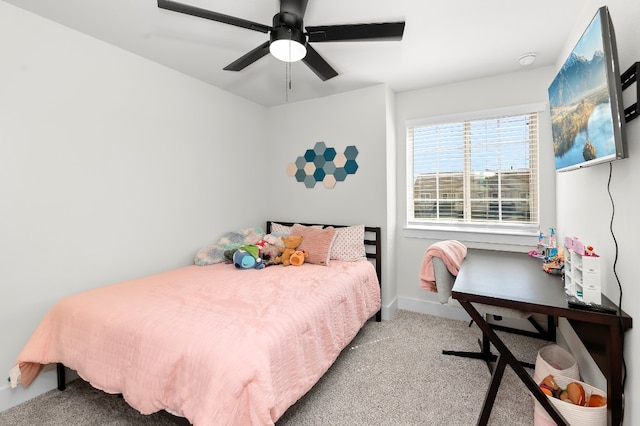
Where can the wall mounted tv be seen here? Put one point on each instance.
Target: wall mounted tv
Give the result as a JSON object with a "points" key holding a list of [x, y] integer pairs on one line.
{"points": [[587, 116]]}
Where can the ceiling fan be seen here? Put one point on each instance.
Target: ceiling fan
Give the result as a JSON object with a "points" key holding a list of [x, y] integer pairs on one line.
{"points": [[289, 39]]}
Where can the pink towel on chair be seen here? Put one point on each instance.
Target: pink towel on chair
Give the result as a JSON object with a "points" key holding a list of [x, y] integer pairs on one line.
{"points": [[451, 252]]}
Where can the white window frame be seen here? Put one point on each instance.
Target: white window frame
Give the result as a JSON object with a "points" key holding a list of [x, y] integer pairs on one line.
{"points": [[501, 233]]}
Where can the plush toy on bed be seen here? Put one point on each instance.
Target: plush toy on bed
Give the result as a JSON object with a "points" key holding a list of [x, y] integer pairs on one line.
{"points": [[297, 258], [246, 257], [270, 247], [291, 242], [269, 253]]}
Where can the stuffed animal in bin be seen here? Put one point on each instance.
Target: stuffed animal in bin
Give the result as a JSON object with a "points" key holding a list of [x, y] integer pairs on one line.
{"points": [[297, 258], [291, 242], [246, 257]]}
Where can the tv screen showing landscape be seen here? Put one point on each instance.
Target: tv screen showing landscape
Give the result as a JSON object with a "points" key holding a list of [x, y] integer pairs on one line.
{"points": [[585, 101]]}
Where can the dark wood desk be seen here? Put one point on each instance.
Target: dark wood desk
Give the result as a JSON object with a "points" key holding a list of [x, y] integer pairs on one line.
{"points": [[517, 281]]}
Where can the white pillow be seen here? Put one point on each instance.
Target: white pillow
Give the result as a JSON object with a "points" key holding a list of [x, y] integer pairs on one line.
{"points": [[349, 244], [277, 228]]}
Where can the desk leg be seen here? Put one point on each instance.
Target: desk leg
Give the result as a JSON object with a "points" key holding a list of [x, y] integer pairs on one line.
{"points": [[509, 358], [490, 397], [551, 328], [614, 382]]}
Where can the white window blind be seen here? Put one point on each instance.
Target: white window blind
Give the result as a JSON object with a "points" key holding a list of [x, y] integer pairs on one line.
{"points": [[479, 171]]}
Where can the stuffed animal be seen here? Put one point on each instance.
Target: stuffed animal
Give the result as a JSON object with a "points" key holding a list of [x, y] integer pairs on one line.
{"points": [[291, 242], [297, 258], [246, 257], [269, 253], [274, 239]]}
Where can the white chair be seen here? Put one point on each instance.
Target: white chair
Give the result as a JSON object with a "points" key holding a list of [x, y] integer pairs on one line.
{"points": [[444, 284]]}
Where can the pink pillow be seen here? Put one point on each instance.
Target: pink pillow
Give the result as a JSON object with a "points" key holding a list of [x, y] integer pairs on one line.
{"points": [[316, 243]]}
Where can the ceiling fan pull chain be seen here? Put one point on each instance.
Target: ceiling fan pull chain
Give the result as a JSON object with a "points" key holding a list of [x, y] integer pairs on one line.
{"points": [[286, 81], [288, 71]]}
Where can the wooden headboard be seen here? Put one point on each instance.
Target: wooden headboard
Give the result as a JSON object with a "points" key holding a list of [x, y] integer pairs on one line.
{"points": [[372, 244]]}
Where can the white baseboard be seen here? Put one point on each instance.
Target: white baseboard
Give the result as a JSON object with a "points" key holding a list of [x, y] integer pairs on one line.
{"points": [[46, 381], [389, 310]]}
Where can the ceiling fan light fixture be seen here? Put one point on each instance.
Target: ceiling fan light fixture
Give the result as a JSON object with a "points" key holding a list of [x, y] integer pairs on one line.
{"points": [[288, 44], [287, 50]]}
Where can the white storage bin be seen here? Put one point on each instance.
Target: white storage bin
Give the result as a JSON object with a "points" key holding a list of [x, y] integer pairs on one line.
{"points": [[555, 360], [574, 414]]}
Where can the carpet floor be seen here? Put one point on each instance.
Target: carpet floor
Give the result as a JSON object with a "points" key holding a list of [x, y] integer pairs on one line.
{"points": [[393, 373]]}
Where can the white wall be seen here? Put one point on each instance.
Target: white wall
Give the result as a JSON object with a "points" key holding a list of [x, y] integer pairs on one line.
{"points": [[353, 118], [519, 88], [111, 167], [584, 209]]}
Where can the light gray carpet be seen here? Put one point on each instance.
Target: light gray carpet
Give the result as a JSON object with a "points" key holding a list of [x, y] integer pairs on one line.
{"points": [[393, 373]]}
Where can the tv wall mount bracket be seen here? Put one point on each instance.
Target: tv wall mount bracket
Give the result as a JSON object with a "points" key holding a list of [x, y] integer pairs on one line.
{"points": [[627, 78]]}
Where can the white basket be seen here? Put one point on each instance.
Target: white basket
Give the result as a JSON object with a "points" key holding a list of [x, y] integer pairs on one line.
{"points": [[555, 360], [574, 414]]}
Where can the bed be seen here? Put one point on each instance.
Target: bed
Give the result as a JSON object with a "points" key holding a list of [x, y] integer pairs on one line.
{"points": [[212, 344]]}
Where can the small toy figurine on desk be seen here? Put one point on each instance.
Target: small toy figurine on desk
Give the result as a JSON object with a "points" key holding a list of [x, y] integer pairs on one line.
{"points": [[554, 264], [554, 268], [588, 251]]}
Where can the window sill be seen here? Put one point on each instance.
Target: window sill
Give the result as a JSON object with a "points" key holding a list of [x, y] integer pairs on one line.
{"points": [[519, 236]]}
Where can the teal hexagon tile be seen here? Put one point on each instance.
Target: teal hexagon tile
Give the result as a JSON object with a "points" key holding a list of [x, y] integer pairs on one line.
{"points": [[350, 167], [340, 174], [319, 161], [300, 175], [329, 154], [319, 175], [310, 155], [351, 152]]}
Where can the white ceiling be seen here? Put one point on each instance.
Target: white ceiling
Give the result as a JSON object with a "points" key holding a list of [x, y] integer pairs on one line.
{"points": [[444, 42]]}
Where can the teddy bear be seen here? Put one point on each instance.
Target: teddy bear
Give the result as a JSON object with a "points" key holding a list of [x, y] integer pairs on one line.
{"points": [[291, 242], [297, 258]]}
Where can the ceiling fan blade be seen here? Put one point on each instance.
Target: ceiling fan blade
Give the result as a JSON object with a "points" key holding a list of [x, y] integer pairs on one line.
{"points": [[249, 58], [213, 16], [296, 7], [387, 31], [318, 65]]}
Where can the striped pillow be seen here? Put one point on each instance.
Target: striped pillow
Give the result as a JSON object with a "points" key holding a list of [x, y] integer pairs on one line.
{"points": [[316, 243]]}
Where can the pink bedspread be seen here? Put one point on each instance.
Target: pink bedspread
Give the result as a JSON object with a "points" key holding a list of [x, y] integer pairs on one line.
{"points": [[217, 345]]}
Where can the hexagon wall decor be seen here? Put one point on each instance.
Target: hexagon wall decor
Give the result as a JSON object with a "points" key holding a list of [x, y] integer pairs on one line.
{"points": [[322, 164]]}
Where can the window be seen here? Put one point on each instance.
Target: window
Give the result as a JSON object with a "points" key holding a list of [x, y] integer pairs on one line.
{"points": [[480, 170]]}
